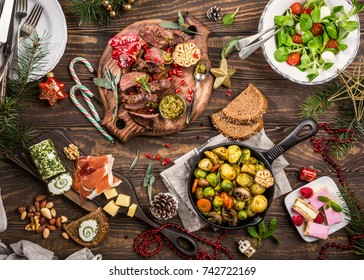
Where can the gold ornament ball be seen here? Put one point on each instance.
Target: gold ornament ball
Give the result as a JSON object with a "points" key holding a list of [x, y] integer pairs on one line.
{"points": [[127, 7], [132, 2], [112, 14], [109, 8], [106, 3]]}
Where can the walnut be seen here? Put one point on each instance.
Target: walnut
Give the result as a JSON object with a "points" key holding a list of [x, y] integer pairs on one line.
{"points": [[71, 152]]}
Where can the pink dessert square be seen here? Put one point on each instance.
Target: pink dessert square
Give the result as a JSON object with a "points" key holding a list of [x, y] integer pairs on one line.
{"points": [[317, 230], [332, 217], [315, 202]]}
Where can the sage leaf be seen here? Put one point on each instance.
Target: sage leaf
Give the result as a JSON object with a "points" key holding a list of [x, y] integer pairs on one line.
{"points": [[336, 207], [102, 83], [181, 20], [323, 198], [228, 19], [169, 24], [135, 161], [252, 232]]}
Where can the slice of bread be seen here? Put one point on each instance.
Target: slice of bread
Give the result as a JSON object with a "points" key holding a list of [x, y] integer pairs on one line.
{"points": [[248, 107], [103, 229], [236, 131]]}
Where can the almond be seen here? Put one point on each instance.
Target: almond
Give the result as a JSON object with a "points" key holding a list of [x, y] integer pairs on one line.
{"points": [[58, 222], [21, 209], [65, 235], [23, 215], [51, 227], [46, 233], [41, 228], [46, 213], [41, 197], [49, 205], [43, 203], [52, 221], [37, 206], [53, 212], [42, 220]]}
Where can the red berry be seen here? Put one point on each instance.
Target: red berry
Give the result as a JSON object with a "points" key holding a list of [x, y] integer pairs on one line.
{"points": [[148, 155], [306, 192], [297, 220], [319, 219], [167, 145]]}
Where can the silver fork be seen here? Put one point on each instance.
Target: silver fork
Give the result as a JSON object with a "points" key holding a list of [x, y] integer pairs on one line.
{"points": [[22, 8]]}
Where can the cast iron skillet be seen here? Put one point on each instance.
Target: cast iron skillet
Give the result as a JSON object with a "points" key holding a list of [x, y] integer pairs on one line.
{"points": [[267, 157]]}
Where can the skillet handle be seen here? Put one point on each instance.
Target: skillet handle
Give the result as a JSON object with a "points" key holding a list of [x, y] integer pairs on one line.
{"points": [[176, 238], [292, 139]]}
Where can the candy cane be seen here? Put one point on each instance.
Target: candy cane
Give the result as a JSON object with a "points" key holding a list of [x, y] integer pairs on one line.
{"points": [[86, 94]]}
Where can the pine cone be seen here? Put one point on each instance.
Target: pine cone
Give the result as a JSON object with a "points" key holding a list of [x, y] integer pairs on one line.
{"points": [[214, 13], [164, 206]]}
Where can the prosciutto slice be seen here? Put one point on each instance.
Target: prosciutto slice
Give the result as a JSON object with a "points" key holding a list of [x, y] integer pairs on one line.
{"points": [[93, 175]]}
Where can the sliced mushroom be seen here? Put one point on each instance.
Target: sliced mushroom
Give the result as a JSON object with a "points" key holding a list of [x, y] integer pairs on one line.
{"points": [[231, 217], [241, 194], [264, 178], [215, 218]]}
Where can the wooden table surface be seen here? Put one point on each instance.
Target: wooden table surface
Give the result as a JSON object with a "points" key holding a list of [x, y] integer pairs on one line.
{"points": [[20, 188]]}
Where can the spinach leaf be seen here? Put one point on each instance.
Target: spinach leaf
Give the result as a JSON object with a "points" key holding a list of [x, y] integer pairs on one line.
{"points": [[342, 47], [327, 65], [349, 25], [307, 36], [281, 54], [283, 20], [338, 9], [305, 22], [331, 29], [315, 14], [281, 37]]}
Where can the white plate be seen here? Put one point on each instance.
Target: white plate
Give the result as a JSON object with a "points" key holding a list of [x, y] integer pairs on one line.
{"points": [[53, 23], [343, 59], [315, 185]]}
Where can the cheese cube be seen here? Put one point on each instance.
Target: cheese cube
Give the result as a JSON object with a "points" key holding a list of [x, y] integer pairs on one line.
{"points": [[132, 209], [111, 208], [123, 200], [110, 193]]}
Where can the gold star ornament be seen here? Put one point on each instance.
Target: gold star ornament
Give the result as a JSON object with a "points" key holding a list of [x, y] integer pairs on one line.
{"points": [[222, 74]]}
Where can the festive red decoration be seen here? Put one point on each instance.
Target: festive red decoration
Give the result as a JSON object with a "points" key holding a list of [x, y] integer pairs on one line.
{"points": [[51, 90], [308, 174]]}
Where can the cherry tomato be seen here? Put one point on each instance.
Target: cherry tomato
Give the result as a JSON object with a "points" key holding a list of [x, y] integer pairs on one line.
{"points": [[317, 29], [297, 38], [331, 44], [294, 58], [307, 11], [297, 8]]}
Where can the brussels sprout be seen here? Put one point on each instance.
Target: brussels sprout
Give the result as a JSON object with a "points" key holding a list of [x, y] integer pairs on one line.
{"points": [[253, 160], [257, 189], [236, 168], [259, 203], [202, 182], [259, 167], [227, 172], [245, 155], [199, 173], [205, 164], [213, 179], [248, 168], [242, 215], [239, 205], [213, 157], [234, 153], [198, 192], [217, 202], [244, 180], [227, 186], [222, 152], [208, 192]]}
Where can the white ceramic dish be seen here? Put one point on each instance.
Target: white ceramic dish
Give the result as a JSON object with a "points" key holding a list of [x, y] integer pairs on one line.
{"points": [[315, 185], [343, 59]]}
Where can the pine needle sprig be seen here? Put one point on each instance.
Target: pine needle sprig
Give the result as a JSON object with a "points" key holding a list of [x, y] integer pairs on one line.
{"points": [[93, 11]]}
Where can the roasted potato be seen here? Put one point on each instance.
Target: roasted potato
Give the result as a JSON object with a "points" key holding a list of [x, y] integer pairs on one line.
{"points": [[259, 203], [205, 164], [244, 180], [248, 168], [257, 189], [236, 168], [234, 153], [253, 160], [222, 152], [245, 155], [259, 167], [213, 157], [227, 172]]}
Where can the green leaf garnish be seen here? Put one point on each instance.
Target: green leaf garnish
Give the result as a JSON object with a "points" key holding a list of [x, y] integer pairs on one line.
{"points": [[229, 47], [181, 25], [135, 161], [228, 19], [336, 207], [323, 198], [264, 232]]}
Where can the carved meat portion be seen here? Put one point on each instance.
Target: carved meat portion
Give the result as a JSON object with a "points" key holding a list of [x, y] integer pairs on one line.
{"points": [[146, 120], [128, 80]]}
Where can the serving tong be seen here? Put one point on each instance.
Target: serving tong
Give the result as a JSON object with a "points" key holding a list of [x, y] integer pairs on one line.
{"points": [[245, 46]]}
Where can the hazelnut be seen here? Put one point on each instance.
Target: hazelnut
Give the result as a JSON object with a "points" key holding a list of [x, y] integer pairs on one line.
{"points": [[31, 209], [21, 209]]}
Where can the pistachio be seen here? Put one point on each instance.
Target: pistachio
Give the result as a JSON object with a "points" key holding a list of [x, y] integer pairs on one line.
{"points": [[64, 219], [23, 215], [40, 197], [53, 212], [49, 205], [65, 235], [46, 213], [46, 233]]}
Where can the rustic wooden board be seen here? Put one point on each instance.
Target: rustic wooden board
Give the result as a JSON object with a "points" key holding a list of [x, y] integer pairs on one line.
{"points": [[124, 127]]}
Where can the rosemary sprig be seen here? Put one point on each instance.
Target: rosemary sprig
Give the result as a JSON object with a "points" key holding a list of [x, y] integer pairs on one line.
{"points": [[143, 82], [135, 161]]}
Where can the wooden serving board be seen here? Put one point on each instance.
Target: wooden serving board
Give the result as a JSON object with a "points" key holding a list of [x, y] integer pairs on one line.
{"points": [[124, 127]]}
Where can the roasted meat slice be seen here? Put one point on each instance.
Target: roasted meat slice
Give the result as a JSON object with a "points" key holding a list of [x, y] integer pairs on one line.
{"points": [[148, 66], [146, 120], [138, 101], [128, 80]]}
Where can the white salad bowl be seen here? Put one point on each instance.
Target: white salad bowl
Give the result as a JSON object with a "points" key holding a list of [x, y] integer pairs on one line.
{"points": [[342, 59]]}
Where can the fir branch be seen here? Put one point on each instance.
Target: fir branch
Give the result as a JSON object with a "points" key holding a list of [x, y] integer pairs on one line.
{"points": [[93, 11]]}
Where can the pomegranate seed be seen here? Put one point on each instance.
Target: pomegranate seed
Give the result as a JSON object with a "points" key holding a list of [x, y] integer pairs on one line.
{"points": [[179, 74], [151, 110], [195, 55], [229, 91], [180, 69], [170, 78], [147, 51], [170, 73], [167, 160], [158, 157], [146, 57], [190, 91], [155, 59], [154, 77], [150, 79], [164, 163], [148, 155], [174, 71], [131, 93], [182, 82], [167, 145], [169, 50], [177, 90], [138, 85], [174, 65], [189, 98]]}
